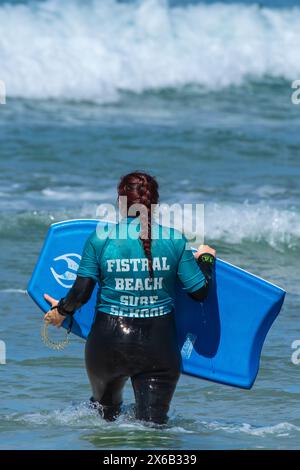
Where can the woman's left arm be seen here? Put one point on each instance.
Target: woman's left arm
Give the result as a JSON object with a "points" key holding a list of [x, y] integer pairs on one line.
{"points": [[206, 262]]}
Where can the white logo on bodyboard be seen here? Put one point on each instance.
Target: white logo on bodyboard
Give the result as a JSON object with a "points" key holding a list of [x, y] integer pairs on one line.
{"points": [[68, 277]]}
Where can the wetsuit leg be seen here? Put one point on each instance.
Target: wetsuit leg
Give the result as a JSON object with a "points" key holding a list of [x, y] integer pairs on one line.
{"points": [[153, 394], [108, 398], [154, 385], [106, 381]]}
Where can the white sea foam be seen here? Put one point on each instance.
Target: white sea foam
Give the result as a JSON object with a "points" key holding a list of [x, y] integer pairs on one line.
{"points": [[243, 222], [13, 291], [280, 430], [71, 416], [93, 49], [260, 222], [230, 223], [82, 415], [69, 194]]}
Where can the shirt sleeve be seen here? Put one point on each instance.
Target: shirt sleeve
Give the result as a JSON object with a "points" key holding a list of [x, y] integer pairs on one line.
{"points": [[188, 270], [89, 265]]}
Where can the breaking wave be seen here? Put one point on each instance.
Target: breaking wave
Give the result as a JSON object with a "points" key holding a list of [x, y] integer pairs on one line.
{"points": [[92, 50]]}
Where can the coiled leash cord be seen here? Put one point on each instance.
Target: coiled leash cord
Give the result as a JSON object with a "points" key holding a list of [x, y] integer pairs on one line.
{"points": [[57, 345]]}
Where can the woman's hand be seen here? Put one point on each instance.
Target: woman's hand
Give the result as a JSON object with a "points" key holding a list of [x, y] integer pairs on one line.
{"points": [[52, 316], [205, 249]]}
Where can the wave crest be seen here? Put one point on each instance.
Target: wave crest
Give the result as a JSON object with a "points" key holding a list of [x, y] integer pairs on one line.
{"points": [[227, 223], [236, 223], [92, 50]]}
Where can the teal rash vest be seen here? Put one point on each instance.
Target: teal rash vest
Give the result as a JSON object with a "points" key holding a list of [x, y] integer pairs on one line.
{"points": [[114, 257]]}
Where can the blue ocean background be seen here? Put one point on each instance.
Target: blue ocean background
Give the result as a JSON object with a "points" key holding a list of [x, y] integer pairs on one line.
{"points": [[199, 94]]}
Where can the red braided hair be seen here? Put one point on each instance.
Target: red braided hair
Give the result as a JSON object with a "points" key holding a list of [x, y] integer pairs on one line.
{"points": [[141, 188]]}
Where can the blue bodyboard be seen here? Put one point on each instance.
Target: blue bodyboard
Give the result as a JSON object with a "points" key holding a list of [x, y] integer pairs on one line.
{"points": [[220, 339]]}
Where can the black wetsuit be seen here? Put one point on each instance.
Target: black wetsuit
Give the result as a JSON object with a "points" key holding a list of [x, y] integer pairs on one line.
{"points": [[142, 349]]}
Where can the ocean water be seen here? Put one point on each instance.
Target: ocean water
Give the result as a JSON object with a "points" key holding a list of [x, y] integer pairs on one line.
{"points": [[198, 94]]}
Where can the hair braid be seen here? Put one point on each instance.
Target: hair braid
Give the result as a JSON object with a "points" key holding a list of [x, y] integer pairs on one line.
{"points": [[141, 188], [146, 223]]}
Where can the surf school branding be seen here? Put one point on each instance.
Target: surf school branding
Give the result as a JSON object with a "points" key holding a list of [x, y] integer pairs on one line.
{"points": [[142, 305], [130, 305]]}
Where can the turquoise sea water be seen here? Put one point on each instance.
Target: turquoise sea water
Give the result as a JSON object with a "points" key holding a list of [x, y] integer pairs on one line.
{"points": [[198, 94]]}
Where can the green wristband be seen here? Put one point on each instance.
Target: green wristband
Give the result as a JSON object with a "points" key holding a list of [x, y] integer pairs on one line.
{"points": [[207, 258]]}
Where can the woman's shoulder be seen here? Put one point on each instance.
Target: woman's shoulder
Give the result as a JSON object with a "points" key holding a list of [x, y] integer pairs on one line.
{"points": [[100, 235], [169, 233]]}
